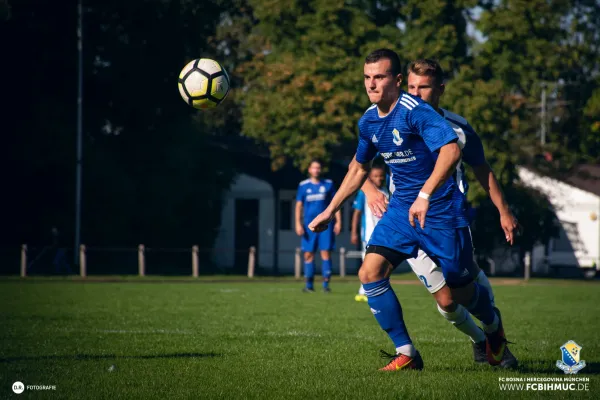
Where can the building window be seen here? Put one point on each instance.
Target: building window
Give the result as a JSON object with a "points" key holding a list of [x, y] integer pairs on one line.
{"points": [[286, 215]]}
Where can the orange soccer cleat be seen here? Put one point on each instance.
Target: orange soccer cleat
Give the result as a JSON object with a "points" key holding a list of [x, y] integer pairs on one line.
{"points": [[402, 361]]}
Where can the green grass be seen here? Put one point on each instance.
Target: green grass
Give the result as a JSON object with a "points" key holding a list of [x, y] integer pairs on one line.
{"points": [[262, 339]]}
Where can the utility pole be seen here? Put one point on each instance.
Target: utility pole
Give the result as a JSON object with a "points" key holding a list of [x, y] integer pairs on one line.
{"points": [[79, 149], [543, 116]]}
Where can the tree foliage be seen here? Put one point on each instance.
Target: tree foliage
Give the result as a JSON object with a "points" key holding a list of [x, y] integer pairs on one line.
{"points": [[296, 70], [302, 90], [149, 174]]}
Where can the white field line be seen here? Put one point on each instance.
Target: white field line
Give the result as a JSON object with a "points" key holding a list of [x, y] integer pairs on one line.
{"points": [[145, 331]]}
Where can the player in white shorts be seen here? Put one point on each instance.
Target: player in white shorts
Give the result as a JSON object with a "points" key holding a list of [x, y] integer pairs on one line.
{"points": [[425, 80], [368, 220]]}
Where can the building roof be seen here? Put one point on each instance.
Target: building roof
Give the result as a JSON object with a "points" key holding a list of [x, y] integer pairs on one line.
{"points": [[253, 159], [585, 177]]}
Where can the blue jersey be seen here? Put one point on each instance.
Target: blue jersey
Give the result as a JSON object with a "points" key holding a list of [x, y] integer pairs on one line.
{"points": [[470, 144], [315, 197], [408, 139]]}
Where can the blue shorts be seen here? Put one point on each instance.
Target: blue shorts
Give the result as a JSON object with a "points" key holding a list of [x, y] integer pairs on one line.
{"points": [[449, 248], [323, 240]]}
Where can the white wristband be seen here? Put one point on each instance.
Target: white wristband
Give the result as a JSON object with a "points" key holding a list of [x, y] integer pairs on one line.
{"points": [[424, 195]]}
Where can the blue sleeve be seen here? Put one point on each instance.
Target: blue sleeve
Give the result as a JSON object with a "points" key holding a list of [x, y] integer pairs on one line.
{"points": [[359, 201], [431, 126], [473, 153], [366, 150], [300, 194]]}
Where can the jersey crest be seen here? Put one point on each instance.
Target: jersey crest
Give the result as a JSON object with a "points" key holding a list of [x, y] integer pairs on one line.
{"points": [[397, 138]]}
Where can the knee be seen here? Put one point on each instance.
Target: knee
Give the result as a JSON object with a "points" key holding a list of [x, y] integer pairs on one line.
{"points": [[447, 305], [309, 257], [444, 299], [325, 255], [368, 274]]}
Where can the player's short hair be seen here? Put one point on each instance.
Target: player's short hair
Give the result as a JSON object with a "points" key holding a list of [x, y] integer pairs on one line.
{"points": [[427, 67], [386, 54], [315, 160], [378, 166]]}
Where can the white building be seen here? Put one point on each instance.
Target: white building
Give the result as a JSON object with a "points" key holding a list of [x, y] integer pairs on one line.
{"points": [[256, 214], [576, 202]]}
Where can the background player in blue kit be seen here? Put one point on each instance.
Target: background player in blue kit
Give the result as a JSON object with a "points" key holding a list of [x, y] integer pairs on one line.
{"points": [[421, 150], [312, 198], [426, 81]]}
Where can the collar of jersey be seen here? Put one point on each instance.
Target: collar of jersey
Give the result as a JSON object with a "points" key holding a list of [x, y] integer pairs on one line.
{"points": [[395, 104]]}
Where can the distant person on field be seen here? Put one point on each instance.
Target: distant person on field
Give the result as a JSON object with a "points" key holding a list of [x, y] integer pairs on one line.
{"points": [[312, 198]]}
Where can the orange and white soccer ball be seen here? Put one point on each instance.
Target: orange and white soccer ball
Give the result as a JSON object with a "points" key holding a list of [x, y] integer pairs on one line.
{"points": [[203, 83]]}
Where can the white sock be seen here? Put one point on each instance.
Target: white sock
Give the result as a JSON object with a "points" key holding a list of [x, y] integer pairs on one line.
{"points": [[483, 280], [407, 350], [494, 325], [361, 290], [462, 321]]}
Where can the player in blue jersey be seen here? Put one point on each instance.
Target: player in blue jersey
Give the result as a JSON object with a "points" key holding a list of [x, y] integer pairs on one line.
{"points": [[311, 199], [426, 81], [367, 219], [426, 211]]}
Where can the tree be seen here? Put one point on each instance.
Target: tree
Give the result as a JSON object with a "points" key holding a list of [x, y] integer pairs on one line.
{"points": [[150, 173], [535, 44], [302, 91]]}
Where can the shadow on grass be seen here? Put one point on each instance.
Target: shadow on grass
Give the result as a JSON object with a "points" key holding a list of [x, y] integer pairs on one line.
{"points": [[106, 357]]}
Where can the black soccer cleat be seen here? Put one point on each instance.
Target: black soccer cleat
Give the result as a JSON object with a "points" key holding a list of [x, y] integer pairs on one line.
{"points": [[509, 361], [308, 290], [479, 354], [326, 290]]}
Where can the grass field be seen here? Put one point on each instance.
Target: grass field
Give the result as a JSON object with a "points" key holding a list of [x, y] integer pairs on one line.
{"points": [[266, 339]]}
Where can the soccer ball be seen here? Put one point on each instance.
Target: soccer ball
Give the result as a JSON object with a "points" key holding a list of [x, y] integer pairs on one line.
{"points": [[203, 83]]}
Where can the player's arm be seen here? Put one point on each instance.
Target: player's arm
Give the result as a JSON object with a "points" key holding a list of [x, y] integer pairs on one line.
{"points": [[354, 239], [376, 200], [337, 228], [445, 164], [444, 167], [354, 179], [439, 136], [486, 177], [358, 171], [298, 214], [474, 155]]}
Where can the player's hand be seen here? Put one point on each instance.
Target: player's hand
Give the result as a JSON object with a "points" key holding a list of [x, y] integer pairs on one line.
{"points": [[321, 221], [354, 239], [337, 228], [510, 226], [378, 203], [418, 210], [299, 230]]}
